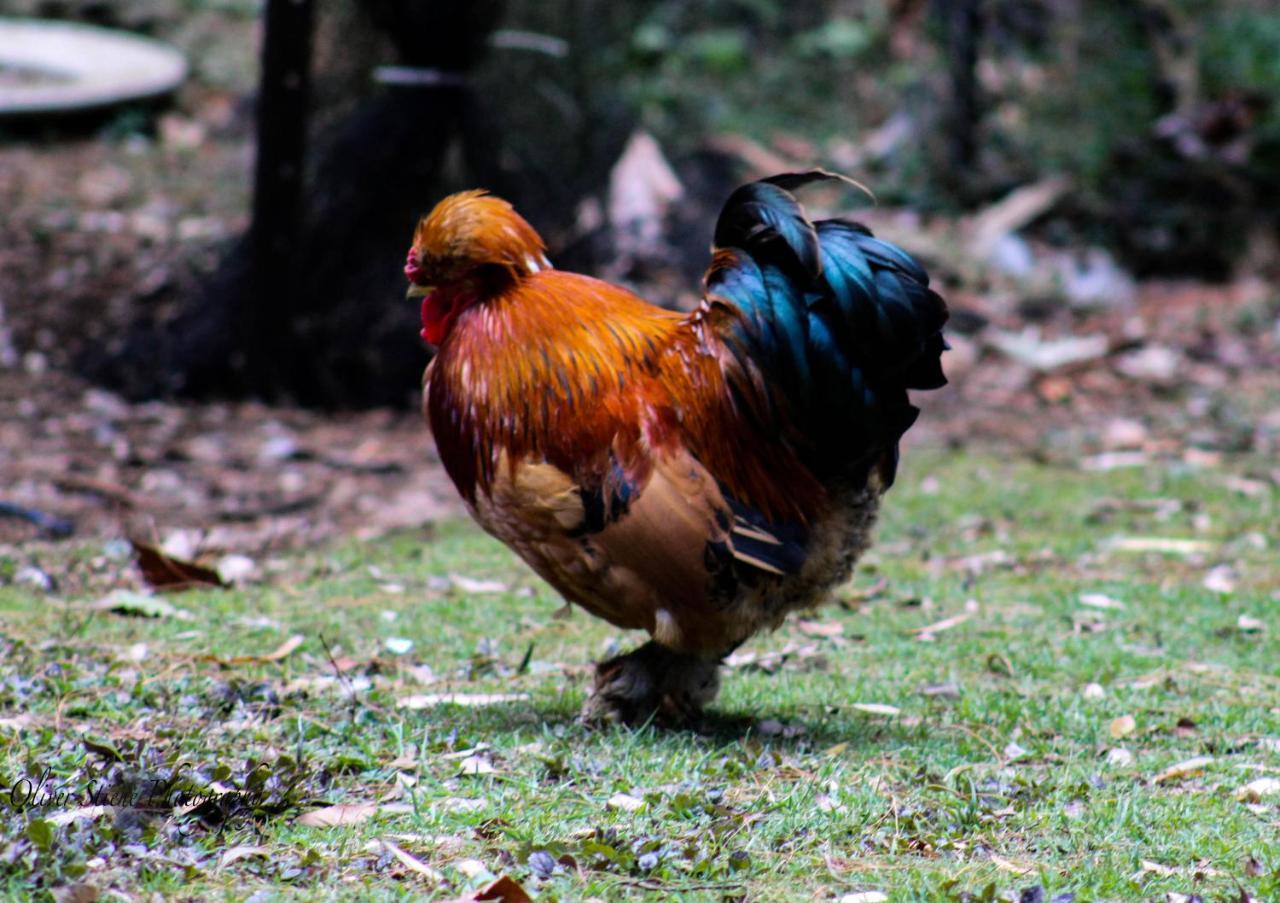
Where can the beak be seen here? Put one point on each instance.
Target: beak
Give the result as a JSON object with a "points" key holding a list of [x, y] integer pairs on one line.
{"points": [[419, 291]]}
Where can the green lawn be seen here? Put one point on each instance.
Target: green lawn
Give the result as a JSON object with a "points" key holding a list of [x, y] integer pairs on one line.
{"points": [[1007, 761]]}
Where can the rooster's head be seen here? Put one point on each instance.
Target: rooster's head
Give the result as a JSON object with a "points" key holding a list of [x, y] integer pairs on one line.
{"points": [[470, 243]]}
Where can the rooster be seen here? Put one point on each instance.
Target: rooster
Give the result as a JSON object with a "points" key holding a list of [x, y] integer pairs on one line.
{"points": [[695, 475]]}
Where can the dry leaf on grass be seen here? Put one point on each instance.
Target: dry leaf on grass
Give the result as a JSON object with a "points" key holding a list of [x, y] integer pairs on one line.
{"points": [[796, 656], [472, 766], [1221, 579], [244, 851], [1247, 624], [409, 861], [1008, 865], [1254, 791], [284, 650], [430, 700], [504, 890], [1122, 726], [80, 892], [167, 573], [336, 816], [876, 708], [1161, 544], [1183, 769], [83, 813], [927, 631], [478, 587], [625, 802], [1119, 756], [1199, 870], [1099, 600], [820, 628]]}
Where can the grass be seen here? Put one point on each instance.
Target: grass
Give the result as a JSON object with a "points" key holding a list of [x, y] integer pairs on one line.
{"points": [[995, 779]]}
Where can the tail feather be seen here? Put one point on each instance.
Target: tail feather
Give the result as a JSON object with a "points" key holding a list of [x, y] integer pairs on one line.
{"points": [[841, 323]]}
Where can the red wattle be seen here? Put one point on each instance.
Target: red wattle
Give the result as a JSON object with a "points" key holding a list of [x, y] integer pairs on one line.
{"points": [[437, 314]]}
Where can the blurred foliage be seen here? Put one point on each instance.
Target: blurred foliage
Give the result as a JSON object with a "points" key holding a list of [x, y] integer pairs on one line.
{"points": [[1165, 113]]}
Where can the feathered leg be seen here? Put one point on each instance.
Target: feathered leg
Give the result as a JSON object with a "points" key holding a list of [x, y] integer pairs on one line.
{"points": [[652, 682]]}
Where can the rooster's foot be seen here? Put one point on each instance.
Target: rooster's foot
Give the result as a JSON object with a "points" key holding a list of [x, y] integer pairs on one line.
{"points": [[651, 683]]}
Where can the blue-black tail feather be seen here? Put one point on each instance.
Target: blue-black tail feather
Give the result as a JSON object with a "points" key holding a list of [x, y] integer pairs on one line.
{"points": [[841, 323]]}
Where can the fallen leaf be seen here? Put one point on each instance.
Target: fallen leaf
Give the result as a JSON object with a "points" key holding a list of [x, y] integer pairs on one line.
{"points": [[1244, 486], [83, 813], [460, 804], [475, 765], [1008, 865], [168, 573], [504, 890], [17, 722], [938, 626], [1247, 624], [335, 816], [1201, 457], [876, 708], [642, 188], [430, 700], [472, 868], [1152, 364], [1162, 544], [1122, 432], [1098, 600], [1044, 355], [800, 656], [235, 568], [478, 587], [820, 628], [1114, 460], [284, 650], [1183, 769], [1122, 726], [80, 892], [1013, 752], [127, 602], [625, 803], [464, 753], [946, 691], [1221, 579], [411, 862], [1254, 791], [244, 851], [1119, 757]]}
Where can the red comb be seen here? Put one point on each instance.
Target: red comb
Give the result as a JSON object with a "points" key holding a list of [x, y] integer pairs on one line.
{"points": [[412, 270]]}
